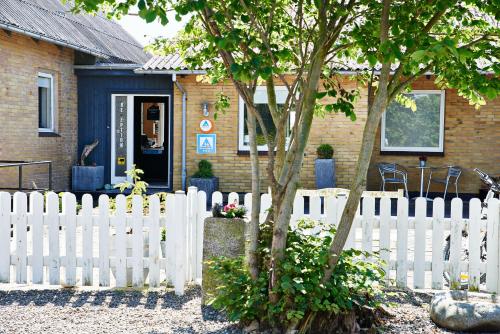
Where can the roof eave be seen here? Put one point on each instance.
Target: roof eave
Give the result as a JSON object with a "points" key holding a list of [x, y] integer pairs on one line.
{"points": [[180, 72]]}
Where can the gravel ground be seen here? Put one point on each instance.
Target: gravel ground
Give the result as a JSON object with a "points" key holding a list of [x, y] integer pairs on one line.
{"points": [[117, 311], [109, 311]]}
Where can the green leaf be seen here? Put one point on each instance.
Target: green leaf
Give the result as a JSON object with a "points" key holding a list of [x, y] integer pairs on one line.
{"points": [[419, 55]]}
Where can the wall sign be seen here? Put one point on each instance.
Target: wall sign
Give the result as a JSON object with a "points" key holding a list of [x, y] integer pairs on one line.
{"points": [[206, 125], [206, 143], [120, 135]]}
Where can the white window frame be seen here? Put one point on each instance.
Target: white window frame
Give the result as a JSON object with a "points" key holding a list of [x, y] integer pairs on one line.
{"points": [[241, 119], [439, 149], [52, 101]]}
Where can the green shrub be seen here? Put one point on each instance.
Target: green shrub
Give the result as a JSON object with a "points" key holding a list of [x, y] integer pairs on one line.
{"points": [[324, 151], [204, 170], [355, 282]]}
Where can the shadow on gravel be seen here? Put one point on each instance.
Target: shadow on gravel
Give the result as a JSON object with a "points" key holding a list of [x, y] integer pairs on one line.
{"points": [[109, 298]]}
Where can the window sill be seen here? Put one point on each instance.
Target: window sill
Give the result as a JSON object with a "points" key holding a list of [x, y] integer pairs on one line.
{"points": [[430, 154], [47, 134], [247, 153]]}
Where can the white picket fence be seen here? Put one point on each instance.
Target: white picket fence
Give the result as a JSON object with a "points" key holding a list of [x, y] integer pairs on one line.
{"points": [[95, 246]]}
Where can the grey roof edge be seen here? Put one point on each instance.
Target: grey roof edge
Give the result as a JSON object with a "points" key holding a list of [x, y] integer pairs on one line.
{"points": [[110, 66], [50, 40]]}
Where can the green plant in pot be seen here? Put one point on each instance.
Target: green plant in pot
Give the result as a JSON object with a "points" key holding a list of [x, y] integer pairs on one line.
{"points": [[324, 167], [205, 180]]}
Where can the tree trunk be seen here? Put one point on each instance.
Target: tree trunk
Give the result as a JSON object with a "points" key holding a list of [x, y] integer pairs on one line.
{"points": [[252, 232]]}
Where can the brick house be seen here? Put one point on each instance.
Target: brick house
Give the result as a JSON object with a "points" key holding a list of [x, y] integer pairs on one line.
{"points": [[40, 44], [149, 111]]}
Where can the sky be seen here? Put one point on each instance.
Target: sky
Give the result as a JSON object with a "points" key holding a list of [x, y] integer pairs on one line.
{"points": [[145, 33]]}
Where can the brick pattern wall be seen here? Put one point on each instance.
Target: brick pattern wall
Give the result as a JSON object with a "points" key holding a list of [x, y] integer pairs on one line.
{"points": [[471, 139], [21, 58], [233, 169]]}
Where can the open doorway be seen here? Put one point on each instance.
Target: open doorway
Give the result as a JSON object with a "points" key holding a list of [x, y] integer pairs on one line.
{"points": [[151, 138]]}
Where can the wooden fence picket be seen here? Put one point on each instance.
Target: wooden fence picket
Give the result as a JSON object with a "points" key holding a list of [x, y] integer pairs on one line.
{"points": [[331, 206], [265, 205], [5, 230], [474, 227], [86, 220], [455, 243], [420, 240], [202, 214], [52, 219], [154, 241], [120, 246], [233, 198], [298, 209], [103, 240], [179, 229], [402, 243], [137, 242], [217, 198], [170, 235], [351, 238], [20, 223], [247, 202], [492, 241], [385, 235], [367, 224], [36, 221], [315, 207], [69, 214], [192, 221], [437, 243]]}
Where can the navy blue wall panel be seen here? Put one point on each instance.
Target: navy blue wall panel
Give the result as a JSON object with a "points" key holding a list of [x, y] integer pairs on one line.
{"points": [[94, 105]]}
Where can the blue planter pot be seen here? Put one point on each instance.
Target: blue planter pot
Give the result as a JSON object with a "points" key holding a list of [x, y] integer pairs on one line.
{"points": [[208, 185], [325, 173], [87, 178]]}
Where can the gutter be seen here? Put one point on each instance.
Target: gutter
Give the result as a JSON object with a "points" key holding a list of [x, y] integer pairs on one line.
{"points": [[183, 159], [171, 72], [110, 66]]}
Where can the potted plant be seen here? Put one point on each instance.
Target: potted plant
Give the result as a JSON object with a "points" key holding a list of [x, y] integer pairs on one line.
{"points": [[87, 177], [204, 179], [324, 167], [223, 235]]}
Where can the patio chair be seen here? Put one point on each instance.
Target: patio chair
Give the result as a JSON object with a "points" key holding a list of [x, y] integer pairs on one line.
{"points": [[393, 173], [452, 177]]}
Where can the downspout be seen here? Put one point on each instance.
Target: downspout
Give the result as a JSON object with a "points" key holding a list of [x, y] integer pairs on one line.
{"points": [[183, 159]]}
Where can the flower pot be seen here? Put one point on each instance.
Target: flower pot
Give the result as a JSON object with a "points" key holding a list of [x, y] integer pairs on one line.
{"points": [[324, 169], [221, 237], [87, 178], [129, 252], [208, 185]]}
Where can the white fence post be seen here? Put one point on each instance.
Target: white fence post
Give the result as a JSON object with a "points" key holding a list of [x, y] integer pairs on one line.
{"points": [[202, 213], [402, 244], [20, 225], [298, 209], [217, 198], [120, 247], [492, 241], [455, 243], [385, 235], [233, 198], [420, 241], [52, 219], [154, 241], [265, 205], [5, 237], [179, 229], [437, 243], [367, 224], [315, 207], [170, 235], [137, 242], [87, 240], [103, 240], [474, 243], [69, 214], [36, 222], [192, 220]]}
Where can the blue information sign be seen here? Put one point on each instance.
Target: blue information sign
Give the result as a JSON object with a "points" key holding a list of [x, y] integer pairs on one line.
{"points": [[206, 143]]}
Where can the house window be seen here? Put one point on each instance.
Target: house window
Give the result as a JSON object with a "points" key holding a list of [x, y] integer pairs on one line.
{"points": [[404, 130], [45, 102], [261, 103]]}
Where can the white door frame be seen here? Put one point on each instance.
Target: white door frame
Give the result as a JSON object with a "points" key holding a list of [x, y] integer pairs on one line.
{"points": [[130, 135]]}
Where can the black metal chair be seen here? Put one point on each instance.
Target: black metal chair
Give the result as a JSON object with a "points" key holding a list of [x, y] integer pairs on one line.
{"points": [[393, 173], [452, 177]]}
